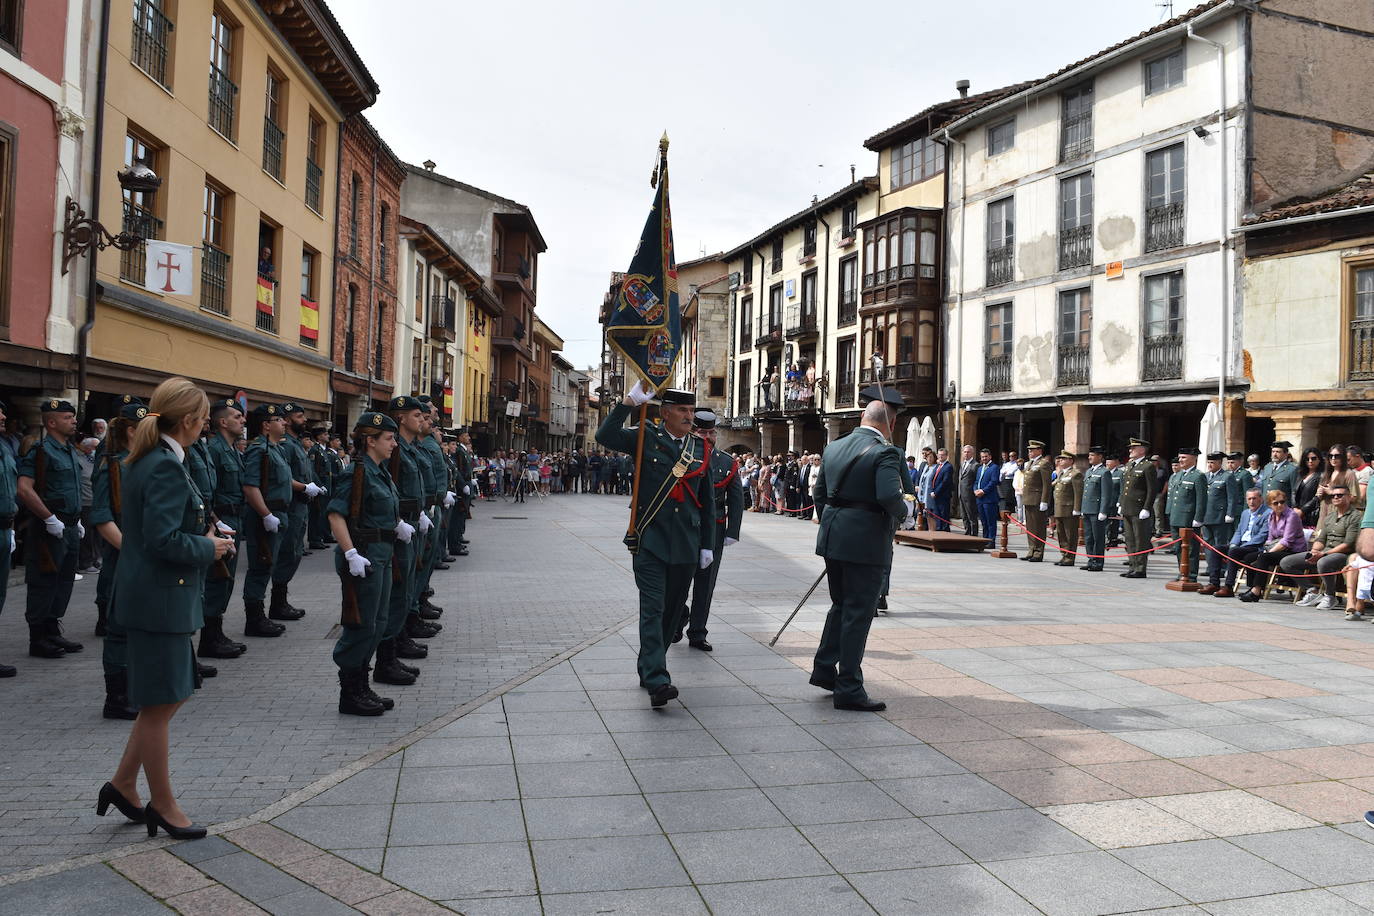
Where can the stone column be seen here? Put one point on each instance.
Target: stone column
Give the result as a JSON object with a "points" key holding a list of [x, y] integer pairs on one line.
{"points": [[1078, 421], [1233, 431], [794, 431], [834, 426], [1295, 428]]}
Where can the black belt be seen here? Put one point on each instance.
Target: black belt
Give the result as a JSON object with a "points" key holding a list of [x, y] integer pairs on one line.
{"points": [[228, 510], [410, 507], [865, 505], [373, 536], [6, 522], [67, 518], [300, 497], [277, 505]]}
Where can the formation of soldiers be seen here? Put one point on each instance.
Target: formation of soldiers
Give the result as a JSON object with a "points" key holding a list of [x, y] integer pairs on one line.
{"points": [[289, 485]]}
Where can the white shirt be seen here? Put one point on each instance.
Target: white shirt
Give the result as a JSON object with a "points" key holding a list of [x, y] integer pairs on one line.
{"points": [[175, 447]]}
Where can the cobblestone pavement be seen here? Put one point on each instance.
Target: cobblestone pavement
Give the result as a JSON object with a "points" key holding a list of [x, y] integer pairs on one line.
{"points": [[1054, 743]]}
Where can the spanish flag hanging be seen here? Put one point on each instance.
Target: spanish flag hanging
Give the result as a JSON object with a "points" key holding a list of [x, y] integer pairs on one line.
{"points": [[267, 300], [448, 401], [310, 319]]}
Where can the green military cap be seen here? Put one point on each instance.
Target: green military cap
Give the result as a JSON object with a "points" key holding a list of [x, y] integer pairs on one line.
{"points": [[268, 411], [1139, 443], [225, 404], [129, 399], [1035, 443], [1282, 444], [1236, 456], [1068, 454], [57, 405], [424, 399], [291, 407], [373, 424], [1216, 456], [1096, 450], [405, 402], [1190, 451], [135, 410]]}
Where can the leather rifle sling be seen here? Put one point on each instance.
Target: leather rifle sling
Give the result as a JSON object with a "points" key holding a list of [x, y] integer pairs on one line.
{"points": [[46, 563], [349, 615]]}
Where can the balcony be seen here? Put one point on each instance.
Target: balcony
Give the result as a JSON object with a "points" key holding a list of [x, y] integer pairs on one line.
{"points": [[1001, 265], [846, 237], [844, 390], [1075, 247], [267, 306], [149, 49], [997, 373], [770, 398], [1077, 138], [139, 220], [1075, 365], [443, 319], [214, 280], [272, 140], [313, 174], [1362, 350], [849, 307], [1163, 358], [509, 334], [771, 337], [801, 321], [1164, 227], [223, 99], [513, 272], [799, 398]]}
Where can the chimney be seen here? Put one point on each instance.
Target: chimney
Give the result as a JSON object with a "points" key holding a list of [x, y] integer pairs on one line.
{"points": [[429, 165], [962, 86]]}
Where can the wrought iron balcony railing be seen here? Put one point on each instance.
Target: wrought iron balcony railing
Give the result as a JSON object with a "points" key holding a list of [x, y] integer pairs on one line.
{"points": [[1075, 247], [1164, 227], [214, 279], [997, 373], [223, 100], [1075, 365], [141, 222], [149, 49], [1001, 265], [849, 308], [1163, 358], [272, 142], [1362, 349], [313, 174]]}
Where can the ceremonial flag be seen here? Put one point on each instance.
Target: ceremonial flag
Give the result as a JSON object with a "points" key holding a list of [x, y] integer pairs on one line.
{"points": [[448, 401], [267, 299], [310, 319], [645, 325], [167, 267]]}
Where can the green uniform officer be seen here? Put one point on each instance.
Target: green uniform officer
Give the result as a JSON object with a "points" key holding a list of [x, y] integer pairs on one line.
{"points": [[1280, 473], [860, 497], [9, 507], [437, 499], [267, 498], [674, 522], [291, 544], [1225, 503], [729, 513], [1035, 492], [1235, 463], [1139, 484], [466, 491], [202, 471], [107, 500], [1187, 505], [405, 466], [416, 625], [1117, 469], [1068, 507], [226, 501], [50, 488], [1099, 501], [364, 516]]}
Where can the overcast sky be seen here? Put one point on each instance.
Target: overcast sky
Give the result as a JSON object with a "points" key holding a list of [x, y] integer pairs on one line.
{"points": [[560, 105]]}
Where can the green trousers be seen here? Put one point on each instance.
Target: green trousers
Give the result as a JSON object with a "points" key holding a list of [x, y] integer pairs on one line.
{"points": [[662, 593], [291, 548], [853, 601], [219, 591], [703, 589], [403, 578], [4, 565], [1066, 527], [1137, 532], [1218, 536], [1037, 523], [113, 655], [262, 550], [49, 592], [355, 645], [429, 554]]}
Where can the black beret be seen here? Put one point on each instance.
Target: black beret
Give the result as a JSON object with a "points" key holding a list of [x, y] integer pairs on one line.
{"points": [[268, 411], [57, 405]]}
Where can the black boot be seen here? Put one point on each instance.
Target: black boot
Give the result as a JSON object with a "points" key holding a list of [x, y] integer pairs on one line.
{"points": [[258, 624], [353, 700], [56, 638], [100, 618], [416, 628], [429, 610], [409, 648], [280, 609], [388, 670], [387, 702], [40, 646], [206, 671], [117, 705], [213, 643]]}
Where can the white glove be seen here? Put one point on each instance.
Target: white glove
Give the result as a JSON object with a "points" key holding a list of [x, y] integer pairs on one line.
{"points": [[910, 508], [1197, 524], [12, 543], [80, 530], [729, 542], [639, 394], [1144, 514], [404, 531], [467, 489], [707, 558], [223, 528], [1101, 516], [270, 523], [449, 497], [357, 563], [54, 526], [1076, 512], [1044, 506], [312, 490], [1229, 519], [425, 523]]}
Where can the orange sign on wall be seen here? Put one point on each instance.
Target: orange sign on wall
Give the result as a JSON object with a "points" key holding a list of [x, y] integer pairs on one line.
{"points": [[1115, 270]]}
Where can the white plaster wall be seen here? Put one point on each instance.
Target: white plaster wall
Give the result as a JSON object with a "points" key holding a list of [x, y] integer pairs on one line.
{"points": [[1293, 327]]}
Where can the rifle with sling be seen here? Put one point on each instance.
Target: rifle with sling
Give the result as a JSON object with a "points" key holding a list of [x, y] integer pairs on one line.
{"points": [[39, 532], [264, 548], [349, 615], [395, 466]]}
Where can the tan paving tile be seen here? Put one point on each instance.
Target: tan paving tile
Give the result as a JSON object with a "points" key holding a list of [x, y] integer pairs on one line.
{"points": [[272, 844], [1160, 677], [216, 900], [1091, 747], [340, 879], [402, 903], [950, 728], [991, 703], [1223, 673], [164, 875], [1062, 785], [1144, 778], [1211, 692], [950, 686], [1249, 770], [1277, 689], [918, 708], [1330, 762], [1003, 754], [1232, 812], [1130, 822], [1036, 724]]}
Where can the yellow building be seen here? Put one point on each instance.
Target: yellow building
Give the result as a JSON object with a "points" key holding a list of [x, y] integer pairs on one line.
{"points": [[483, 310], [236, 105]]}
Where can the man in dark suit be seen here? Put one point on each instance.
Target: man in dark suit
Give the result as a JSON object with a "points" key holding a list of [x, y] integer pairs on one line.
{"points": [[968, 503], [941, 489], [860, 496], [985, 480]]}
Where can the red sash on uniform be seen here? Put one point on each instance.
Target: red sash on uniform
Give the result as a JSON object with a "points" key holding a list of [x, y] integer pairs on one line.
{"points": [[678, 490]]}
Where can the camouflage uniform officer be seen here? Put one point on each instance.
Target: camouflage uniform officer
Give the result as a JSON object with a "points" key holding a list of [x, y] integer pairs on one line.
{"points": [[1139, 484], [267, 496], [1068, 507], [50, 488], [1035, 491]]}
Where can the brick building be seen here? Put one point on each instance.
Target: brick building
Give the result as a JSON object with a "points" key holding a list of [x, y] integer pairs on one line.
{"points": [[365, 272]]}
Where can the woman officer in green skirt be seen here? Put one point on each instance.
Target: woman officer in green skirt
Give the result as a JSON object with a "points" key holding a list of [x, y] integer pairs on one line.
{"points": [[364, 517]]}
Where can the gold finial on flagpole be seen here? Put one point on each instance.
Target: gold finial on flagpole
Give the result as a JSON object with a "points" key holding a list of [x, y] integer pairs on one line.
{"points": [[663, 142]]}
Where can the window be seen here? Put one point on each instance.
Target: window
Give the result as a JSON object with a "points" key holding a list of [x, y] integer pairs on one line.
{"points": [[774, 308], [849, 221], [809, 240], [777, 255], [1076, 221], [715, 386], [1075, 336], [849, 291], [310, 259], [1001, 137], [214, 262], [808, 293], [1163, 327], [1164, 198], [1076, 134], [747, 271], [745, 389], [139, 206], [1001, 239], [11, 22], [350, 320], [1361, 323], [314, 171], [9, 143], [379, 333], [383, 226], [846, 361], [915, 160], [997, 348], [746, 323], [355, 198], [1164, 73], [223, 91], [419, 291], [417, 348], [152, 29], [273, 137], [268, 288]]}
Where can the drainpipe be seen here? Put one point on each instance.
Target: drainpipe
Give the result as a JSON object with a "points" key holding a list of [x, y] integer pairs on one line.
{"points": [[1224, 238], [83, 334], [825, 296], [959, 305], [372, 283]]}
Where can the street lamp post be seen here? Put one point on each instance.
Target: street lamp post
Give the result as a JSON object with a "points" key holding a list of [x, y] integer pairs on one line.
{"points": [[81, 233]]}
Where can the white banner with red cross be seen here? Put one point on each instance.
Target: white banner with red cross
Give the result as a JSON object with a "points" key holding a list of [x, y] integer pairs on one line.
{"points": [[168, 268]]}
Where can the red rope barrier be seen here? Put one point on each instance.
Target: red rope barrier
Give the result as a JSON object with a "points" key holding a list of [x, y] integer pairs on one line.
{"points": [[1197, 537], [1091, 556]]}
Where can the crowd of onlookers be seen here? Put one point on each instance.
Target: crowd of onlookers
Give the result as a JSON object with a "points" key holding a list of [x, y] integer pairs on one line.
{"points": [[780, 484], [514, 474]]}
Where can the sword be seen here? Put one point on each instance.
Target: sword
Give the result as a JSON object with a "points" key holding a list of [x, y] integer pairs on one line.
{"points": [[813, 587]]}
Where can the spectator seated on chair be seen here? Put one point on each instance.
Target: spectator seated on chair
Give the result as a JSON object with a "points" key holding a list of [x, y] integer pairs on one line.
{"points": [[1332, 547], [1285, 537]]}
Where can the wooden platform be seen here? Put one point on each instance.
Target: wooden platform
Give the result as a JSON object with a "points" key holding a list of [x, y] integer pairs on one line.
{"points": [[942, 541]]}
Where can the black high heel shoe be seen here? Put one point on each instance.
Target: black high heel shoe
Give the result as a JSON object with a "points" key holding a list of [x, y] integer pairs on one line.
{"points": [[155, 820], [109, 795]]}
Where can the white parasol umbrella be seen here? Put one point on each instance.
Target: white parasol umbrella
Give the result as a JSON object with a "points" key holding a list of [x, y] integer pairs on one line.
{"points": [[927, 436], [1209, 436], [913, 440]]}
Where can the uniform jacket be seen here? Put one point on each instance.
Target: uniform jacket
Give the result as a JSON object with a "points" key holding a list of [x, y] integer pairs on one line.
{"points": [[428, 483], [408, 479], [1278, 477], [164, 554], [379, 508], [202, 471], [1068, 493], [1037, 482], [276, 488], [430, 448], [1187, 498], [861, 507], [61, 491], [9, 483], [227, 499], [1139, 486], [294, 452], [986, 478], [1225, 496], [108, 475], [728, 492], [686, 523], [1099, 491]]}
